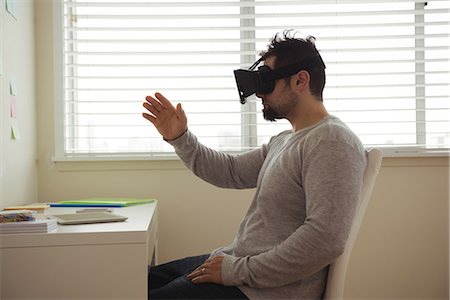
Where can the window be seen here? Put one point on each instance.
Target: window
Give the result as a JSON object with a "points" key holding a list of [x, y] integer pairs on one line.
{"points": [[387, 70]]}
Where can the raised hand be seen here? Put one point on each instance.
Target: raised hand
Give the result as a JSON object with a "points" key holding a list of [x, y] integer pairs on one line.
{"points": [[170, 122]]}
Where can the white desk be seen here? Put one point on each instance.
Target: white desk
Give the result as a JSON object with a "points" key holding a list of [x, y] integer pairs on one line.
{"points": [[91, 261]]}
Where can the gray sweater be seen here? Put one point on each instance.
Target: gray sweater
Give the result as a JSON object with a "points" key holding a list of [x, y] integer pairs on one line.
{"points": [[307, 188]]}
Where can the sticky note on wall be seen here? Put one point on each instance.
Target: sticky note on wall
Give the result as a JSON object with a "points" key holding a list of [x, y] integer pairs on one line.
{"points": [[15, 130], [12, 86], [13, 106], [11, 7]]}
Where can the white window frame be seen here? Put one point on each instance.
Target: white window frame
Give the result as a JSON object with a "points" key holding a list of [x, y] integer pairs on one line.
{"points": [[246, 118]]}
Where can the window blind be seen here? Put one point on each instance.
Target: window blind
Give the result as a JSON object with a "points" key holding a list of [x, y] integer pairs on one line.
{"points": [[387, 70]]}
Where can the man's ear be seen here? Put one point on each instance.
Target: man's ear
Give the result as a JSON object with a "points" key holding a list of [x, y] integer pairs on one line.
{"points": [[302, 80]]}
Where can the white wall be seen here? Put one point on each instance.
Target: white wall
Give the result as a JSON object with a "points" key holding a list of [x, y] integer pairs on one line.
{"points": [[18, 172], [402, 250]]}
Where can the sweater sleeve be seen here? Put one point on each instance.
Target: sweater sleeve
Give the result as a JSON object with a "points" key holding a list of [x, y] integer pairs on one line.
{"points": [[220, 169], [332, 178]]}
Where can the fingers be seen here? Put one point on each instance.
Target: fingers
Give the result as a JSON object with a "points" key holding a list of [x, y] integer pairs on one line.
{"points": [[200, 270], [149, 117], [151, 108], [199, 275], [209, 271], [163, 101], [154, 104], [160, 103], [157, 107], [202, 279]]}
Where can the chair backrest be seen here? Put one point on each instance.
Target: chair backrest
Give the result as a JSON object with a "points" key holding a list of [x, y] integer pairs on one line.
{"points": [[338, 269]]}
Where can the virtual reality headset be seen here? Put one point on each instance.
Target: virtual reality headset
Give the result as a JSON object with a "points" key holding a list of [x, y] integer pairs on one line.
{"points": [[262, 81]]}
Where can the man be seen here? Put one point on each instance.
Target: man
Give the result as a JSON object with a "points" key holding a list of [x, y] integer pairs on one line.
{"points": [[308, 181]]}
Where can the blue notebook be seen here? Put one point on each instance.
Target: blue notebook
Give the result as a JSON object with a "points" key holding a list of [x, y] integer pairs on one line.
{"points": [[101, 202]]}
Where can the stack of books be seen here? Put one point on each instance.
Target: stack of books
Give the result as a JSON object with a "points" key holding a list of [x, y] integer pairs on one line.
{"points": [[24, 221]]}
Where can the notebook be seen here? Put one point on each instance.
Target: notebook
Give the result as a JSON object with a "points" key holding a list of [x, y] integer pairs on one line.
{"points": [[101, 202]]}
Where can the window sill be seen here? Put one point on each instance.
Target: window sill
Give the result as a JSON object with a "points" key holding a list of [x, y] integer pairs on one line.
{"points": [[391, 158], [114, 163]]}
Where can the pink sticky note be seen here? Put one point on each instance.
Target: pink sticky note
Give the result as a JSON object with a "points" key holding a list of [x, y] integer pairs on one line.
{"points": [[13, 107]]}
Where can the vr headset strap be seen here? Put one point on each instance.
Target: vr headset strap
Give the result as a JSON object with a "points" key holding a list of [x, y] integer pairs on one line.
{"points": [[307, 64]]}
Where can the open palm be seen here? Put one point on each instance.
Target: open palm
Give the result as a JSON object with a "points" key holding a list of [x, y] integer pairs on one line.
{"points": [[170, 122]]}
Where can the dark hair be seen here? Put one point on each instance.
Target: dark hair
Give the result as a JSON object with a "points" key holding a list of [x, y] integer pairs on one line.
{"points": [[289, 49]]}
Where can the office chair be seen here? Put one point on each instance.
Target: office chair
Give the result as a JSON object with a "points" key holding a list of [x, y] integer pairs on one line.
{"points": [[338, 269]]}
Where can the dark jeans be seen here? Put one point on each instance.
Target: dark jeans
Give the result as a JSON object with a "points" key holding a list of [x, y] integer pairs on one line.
{"points": [[168, 281]]}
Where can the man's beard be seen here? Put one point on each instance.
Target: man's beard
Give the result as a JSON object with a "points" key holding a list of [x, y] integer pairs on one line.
{"points": [[281, 111], [270, 115]]}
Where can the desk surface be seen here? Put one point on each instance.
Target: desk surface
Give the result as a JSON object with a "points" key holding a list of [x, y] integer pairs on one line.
{"points": [[133, 230], [89, 261]]}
